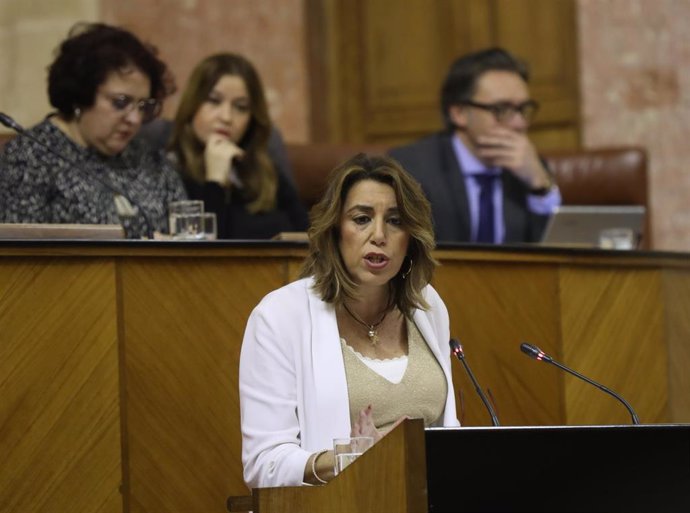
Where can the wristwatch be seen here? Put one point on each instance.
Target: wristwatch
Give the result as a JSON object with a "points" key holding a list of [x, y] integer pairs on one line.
{"points": [[543, 191]]}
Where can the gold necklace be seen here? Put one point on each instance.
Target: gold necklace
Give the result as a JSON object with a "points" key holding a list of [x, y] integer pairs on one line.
{"points": [[372, 328]]}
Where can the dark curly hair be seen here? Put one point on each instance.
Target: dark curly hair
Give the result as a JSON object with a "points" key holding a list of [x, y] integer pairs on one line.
{"points": [[91, 52]]}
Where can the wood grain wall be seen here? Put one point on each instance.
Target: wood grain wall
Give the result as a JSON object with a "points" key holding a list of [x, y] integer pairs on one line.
{"points": [[118, 367], [377, 65]]}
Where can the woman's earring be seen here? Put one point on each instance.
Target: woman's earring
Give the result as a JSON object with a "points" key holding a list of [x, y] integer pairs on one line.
{"points": [[407, 273], [77, 113]]}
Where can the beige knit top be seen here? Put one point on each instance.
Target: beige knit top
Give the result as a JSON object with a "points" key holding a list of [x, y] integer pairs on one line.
{"points": [[420, 394]]}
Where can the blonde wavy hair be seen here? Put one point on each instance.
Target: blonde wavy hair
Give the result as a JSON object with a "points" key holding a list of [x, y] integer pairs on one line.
{"points": [[256, 170], [324, 262]]}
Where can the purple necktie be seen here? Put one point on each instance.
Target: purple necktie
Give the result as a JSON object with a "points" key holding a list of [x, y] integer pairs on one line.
{"points": [[485, 231]]}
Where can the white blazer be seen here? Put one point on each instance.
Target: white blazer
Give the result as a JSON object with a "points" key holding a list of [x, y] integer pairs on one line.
{"points": [[293, 390]]}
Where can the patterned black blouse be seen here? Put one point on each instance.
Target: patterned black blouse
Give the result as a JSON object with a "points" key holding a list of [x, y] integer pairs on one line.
{"points": [[72, 184]]}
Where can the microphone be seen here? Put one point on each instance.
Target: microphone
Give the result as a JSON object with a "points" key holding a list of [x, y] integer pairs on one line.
{"points": [[456, 349], [13, 125], [539, 355]]}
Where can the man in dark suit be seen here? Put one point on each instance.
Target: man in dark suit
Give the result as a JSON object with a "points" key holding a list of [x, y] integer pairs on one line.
{"points": [[482, 175]]}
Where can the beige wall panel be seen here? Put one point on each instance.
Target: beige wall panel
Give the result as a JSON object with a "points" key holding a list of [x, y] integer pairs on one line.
{"points": [[613, 333], [270, 33], [635, 82], [29, 34], [59, 413], [185, 322]]}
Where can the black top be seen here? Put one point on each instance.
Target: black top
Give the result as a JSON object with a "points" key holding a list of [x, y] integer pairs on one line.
{"points": [[236, 222]]}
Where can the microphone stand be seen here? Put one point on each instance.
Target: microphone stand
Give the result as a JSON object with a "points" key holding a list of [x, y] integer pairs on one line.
{"points": [[456, 348], [539, 355]]}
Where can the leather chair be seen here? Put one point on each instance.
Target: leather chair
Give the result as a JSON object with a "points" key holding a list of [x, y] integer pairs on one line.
{"points": [[603, 176]]}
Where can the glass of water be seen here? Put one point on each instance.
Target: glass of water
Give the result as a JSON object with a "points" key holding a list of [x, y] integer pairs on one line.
{"points": [[210, 225], [186, 219], [347, 450]]}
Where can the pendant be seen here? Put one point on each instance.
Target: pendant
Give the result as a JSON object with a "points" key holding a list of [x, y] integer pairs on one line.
{"points": [[373, 337]]}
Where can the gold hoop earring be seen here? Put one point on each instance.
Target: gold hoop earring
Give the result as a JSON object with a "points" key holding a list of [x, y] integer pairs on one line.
{"points": [[409, 270]]}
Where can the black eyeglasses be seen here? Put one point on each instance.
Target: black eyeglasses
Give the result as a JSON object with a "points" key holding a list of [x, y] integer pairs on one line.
{"points": [[148, 107], [504, 111]]}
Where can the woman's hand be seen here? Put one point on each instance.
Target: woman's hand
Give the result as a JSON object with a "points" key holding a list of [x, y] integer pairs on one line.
{"points": [[364, 425], [218, 156]]}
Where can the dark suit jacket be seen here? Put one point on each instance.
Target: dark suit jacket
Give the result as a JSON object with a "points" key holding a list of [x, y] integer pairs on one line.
{"points": [[433, 163]]}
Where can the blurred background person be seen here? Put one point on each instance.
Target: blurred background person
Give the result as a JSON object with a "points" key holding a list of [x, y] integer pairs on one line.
{"points": [[220, 146], [357, 344], [483, 176], [104, 83]]}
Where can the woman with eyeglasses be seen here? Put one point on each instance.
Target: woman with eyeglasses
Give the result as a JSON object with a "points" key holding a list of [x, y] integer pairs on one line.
{"points": [[80, 165], [219, 144]]}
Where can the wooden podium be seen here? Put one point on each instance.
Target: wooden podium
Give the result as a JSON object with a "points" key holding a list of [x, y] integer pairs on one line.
{"points": [[627, 468], [391, 476]]}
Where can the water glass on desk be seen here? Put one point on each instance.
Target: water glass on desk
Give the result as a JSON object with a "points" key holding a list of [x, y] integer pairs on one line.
{"points": [[347, 450], [186, 219], [210, 225], [617, 238]]}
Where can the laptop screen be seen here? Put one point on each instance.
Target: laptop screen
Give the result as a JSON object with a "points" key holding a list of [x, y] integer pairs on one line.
{"points": [[617, 227]]}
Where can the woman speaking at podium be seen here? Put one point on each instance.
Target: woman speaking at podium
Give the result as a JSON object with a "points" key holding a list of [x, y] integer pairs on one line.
{"points": [[80, 165], [357, 344]]}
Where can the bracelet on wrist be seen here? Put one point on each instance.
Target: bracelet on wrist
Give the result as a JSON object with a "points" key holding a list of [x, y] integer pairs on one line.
{"points": [[313, 466]]}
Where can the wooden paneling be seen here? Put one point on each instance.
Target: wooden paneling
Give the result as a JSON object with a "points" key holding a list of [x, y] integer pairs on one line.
{"points": [[399, 460], [603, 311], [184, 324], [59, 406], [175, 315], [493, 308], [376, 66], [543, 33], [676, 291]]}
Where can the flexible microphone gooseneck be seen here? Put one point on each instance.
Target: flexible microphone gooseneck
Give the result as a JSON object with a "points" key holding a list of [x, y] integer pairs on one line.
{"points": [[456, 349], [13, 125], [539, 355]]}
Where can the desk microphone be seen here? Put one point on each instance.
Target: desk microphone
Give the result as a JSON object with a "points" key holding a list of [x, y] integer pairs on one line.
{"points": [[456, 349], [13, 125], [539, 355]]}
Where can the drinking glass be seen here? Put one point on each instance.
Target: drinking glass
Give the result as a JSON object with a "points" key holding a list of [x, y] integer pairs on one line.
{"points": [[185, 219], [347, 450], [617, 238], [210, 225]]}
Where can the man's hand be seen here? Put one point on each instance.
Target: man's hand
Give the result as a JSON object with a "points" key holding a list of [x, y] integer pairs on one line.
{"points": [[514, 151]]}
